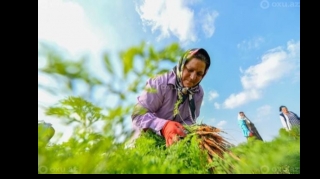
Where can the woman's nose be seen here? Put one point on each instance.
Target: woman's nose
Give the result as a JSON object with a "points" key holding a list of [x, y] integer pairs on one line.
{"points": [[192, 76]]}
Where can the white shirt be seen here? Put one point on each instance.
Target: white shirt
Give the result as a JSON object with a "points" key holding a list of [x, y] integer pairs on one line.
{"points": [[289, 120]]}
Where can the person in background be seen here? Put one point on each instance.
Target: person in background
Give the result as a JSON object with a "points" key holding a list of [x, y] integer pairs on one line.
{"points": [[173, 99], [288, 118], [247, 127]]}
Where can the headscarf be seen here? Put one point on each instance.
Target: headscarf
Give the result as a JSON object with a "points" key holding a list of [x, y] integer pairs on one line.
{"points": [[240, 117], [244, 117], [184, 92]]}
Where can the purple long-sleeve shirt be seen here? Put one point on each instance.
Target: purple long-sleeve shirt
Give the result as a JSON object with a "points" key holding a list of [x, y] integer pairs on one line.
{"points": [[159, 103]]}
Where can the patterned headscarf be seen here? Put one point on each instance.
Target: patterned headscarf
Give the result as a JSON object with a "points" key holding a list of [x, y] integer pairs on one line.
{"points": [[184, 92]]}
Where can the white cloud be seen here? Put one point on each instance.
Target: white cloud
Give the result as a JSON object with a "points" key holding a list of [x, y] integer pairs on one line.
{"points": [[221, 124], [45, 98], [250, 44], [271, 69], [212, 120], [64, 23], [207, 22], [293, 49], [241, 98], [296, 77], [263, 112], [213, 95], [216, 105], [174, 17]]}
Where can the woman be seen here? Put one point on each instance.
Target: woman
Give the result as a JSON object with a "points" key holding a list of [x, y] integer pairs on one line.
{"points": [[288, 118], [173, 99], [247, 127]]}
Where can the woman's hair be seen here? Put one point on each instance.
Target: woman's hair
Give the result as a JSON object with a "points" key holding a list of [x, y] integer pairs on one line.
{"points": [[201, 57], [282, 107]]}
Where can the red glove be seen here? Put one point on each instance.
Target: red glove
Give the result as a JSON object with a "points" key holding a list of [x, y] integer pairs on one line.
{"points": [[171, 132]]}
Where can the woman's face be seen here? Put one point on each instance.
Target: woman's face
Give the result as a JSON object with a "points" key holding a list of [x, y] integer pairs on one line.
{"points": [[284, 110], [193, 72]]}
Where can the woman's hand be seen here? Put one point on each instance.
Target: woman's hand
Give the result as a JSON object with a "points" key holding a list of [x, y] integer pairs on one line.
{"points": [[172, 131]]}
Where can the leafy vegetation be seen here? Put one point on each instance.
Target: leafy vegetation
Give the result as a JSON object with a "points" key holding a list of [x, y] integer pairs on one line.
{"points": [[89, 152], [92, 151]]}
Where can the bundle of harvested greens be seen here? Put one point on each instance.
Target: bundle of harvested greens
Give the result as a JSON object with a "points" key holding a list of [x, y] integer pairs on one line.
{"points": [[211, 141]]}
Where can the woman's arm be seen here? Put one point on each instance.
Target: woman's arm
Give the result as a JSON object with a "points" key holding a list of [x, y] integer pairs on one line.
{"points": [[148, 104]]}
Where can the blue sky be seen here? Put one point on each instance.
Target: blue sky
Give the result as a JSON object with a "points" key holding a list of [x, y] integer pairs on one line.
{"points": [[254, 47]]}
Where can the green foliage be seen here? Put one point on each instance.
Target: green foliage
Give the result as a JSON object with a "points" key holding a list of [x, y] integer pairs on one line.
{"points": [[280, 156], [45, 133], [150, 90], [68, 72], [176, 105], [76, 109], [149, 155], [89, 151], [116, 99], [139, 110]]}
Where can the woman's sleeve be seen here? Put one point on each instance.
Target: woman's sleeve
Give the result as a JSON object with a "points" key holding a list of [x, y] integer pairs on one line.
{"points": [[148, 103]]}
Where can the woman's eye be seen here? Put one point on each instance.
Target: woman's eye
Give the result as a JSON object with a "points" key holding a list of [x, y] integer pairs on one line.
{"points": [[191, 71]]}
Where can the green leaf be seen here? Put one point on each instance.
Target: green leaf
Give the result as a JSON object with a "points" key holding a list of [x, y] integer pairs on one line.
{"points": [[107, 63]]}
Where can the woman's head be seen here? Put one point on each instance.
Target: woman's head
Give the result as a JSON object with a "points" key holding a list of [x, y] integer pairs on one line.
{"points": [[283, 109], [241, 115], [193, 66]]}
